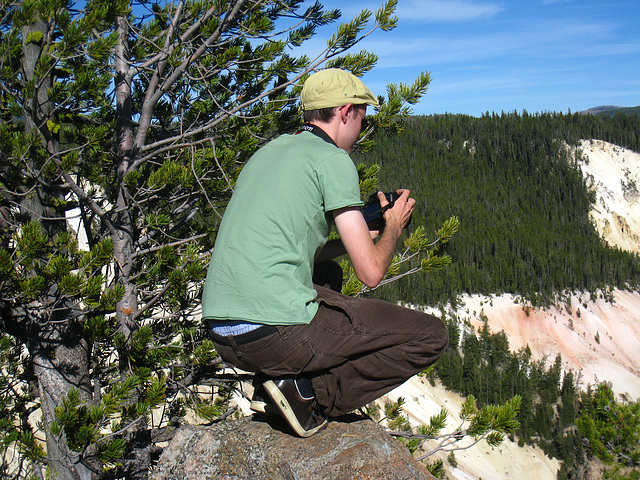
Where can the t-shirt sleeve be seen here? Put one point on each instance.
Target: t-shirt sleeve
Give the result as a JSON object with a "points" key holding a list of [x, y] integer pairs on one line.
{"points": [[339, 183]]}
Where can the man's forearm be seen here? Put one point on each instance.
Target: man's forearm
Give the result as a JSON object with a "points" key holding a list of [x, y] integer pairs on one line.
{"points": [[385, 248]]}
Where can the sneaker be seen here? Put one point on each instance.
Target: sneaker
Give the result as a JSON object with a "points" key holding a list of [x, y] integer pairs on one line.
{"points": [[302, 413]]}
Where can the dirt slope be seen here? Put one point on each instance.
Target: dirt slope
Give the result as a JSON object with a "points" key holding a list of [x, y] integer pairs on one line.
{"points": [[573, 333], [480, 461], [598, 339]]}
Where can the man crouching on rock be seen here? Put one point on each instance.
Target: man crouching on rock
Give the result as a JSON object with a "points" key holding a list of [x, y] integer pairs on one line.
{"points": [[271, 298]]}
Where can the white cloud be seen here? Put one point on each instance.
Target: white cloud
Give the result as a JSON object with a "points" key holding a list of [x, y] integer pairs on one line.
{"points": [[446, 10], [545, 41]]}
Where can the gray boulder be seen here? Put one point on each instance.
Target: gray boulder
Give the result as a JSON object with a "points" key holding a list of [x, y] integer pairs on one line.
{"points": [[257, 448]]}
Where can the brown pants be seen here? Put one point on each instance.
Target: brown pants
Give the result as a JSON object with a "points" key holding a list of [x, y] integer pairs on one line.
{"points": [[355, 349]]}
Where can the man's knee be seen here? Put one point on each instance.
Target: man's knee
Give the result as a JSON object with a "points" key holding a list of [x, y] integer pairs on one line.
{"points": [[442, 335], [432, 340]]}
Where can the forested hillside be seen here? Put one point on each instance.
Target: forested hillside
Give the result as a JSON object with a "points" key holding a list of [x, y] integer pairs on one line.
{"points": [[522, 203]]}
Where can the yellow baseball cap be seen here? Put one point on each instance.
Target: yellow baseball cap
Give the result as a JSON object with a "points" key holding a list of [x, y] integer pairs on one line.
{"points": [[334, 88]]}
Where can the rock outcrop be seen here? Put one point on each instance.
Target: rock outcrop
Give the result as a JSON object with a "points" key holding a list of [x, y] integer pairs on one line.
{"points": [[261, 448], [612, 173]]}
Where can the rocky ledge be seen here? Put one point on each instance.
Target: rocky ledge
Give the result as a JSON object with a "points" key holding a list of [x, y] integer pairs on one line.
{"points": [[255, 448]]}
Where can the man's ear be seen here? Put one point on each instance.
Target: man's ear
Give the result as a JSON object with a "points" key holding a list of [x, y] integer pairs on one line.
{"points": [[345, 111]]}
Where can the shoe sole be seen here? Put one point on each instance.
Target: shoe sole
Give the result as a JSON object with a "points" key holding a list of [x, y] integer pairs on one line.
{"points": [[282, 404], [264, 407]]}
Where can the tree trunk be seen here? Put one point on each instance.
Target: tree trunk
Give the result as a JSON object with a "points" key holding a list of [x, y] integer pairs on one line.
{"points": [[138, 435], [60, 364], [53, 333]]}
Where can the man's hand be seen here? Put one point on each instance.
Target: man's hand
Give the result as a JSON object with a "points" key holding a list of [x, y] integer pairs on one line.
{"points": [[400, 213]]}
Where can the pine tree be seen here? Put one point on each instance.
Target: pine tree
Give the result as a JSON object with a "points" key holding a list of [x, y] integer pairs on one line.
{"points": [[122, 129]]}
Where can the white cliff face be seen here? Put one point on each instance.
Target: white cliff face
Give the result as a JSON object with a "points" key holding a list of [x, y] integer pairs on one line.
{"points": [[614, 174], [598, 340]]}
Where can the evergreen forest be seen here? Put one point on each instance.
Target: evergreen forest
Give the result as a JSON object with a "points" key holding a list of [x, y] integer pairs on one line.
{"points": [[522, 203], [523, 207]]}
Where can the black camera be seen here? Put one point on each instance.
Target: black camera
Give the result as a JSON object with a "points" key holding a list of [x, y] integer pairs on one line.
{"points": [[374, 213]]}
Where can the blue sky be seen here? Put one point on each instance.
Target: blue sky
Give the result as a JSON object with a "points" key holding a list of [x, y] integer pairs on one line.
{"points": [[485, 55]]}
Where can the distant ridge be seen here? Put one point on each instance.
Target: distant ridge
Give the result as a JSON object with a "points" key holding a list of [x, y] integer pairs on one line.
{"points": [[612, 110]]}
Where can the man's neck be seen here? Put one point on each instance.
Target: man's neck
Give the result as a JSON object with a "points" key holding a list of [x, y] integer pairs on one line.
{"points": [[318, 131], [329, 128]]}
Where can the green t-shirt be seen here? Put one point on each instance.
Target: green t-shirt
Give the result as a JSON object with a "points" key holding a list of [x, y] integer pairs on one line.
{"points": [[276, 223]]}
